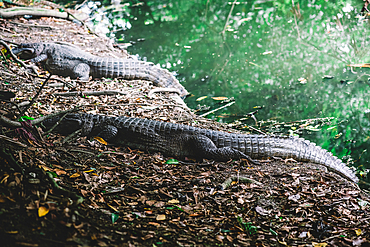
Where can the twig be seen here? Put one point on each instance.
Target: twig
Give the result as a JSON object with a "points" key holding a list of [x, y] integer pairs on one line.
{"points": [[205, 14], [163, 90], [257, 130], [227, 20], [207, 113], [295, 20], [34, 98], [33, 25], [11, 141], [233, 178], [71, 136], [16, 124], [104, 92], [84, 24], [15, 57]]}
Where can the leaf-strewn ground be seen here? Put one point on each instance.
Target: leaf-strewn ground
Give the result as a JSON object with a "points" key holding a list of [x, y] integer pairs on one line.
{"points": [[134, 198]]}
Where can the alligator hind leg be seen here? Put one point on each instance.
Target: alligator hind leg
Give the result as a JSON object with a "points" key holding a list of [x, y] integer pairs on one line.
{"points": [[205, 148], [81, 71]]}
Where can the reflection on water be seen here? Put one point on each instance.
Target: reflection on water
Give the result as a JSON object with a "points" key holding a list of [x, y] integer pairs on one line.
{"points": [[290, 62]]}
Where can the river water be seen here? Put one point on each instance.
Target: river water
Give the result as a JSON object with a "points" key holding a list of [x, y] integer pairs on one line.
{"points": [[288, 61]]}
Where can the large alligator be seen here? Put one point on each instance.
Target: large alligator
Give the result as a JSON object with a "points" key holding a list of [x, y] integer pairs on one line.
{"points": [[68, 60], [188, 141]]}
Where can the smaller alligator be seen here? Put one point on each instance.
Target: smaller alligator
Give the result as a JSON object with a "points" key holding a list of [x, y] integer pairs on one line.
{"points": [[68, 60], [188, 141]]}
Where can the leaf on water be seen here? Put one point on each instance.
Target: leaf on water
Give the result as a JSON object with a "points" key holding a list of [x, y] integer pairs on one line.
{"points": [[219, 98], [161, 217], [101, 140], [115, 217], [201, 98], [172, 162], [43, 211], [302, 80], [360, 65]]}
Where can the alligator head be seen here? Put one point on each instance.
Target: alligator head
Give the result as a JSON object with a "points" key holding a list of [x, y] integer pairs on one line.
{"points": [[29, 50], [70, 123], [66, 125]]}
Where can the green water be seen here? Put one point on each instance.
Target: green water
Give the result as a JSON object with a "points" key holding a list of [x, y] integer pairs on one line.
{"points": [[289, 64]]}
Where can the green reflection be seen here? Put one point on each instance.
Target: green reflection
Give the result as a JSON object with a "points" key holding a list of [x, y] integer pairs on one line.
{"points": [[290, 61]]}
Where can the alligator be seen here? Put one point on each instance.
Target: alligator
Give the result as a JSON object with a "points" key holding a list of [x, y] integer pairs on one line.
{"points": [[68, 60], [178, 140]]}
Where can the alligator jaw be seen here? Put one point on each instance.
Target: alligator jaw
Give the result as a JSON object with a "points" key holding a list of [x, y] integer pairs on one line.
{"points": [[25, 53]]}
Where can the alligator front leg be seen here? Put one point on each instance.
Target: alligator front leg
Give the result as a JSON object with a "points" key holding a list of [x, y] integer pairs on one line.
{"points": [[205, 148], [81, 71], [41, 58], [108, 133]]}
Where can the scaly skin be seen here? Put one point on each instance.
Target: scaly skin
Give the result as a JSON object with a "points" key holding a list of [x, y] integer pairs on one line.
{"points": [[67, 60], [187, 141]]}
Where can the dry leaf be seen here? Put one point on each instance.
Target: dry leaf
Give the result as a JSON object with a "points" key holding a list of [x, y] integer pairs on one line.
{"points": [[43, 211], [219, 98], [201, 98], [101, 140], [76, 175], [161, 217]]}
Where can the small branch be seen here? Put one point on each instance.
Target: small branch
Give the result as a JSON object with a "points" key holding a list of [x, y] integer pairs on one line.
{"points": [[163, 90], [82, 93], [257, 130], [11, 141], [16, 124], [71, 136], [227, 20], [35, 12], [34, 98], [33, 25], [231, 179], [207, 113]]}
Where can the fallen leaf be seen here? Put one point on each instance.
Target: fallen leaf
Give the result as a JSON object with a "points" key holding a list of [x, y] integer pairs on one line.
{"points": [[43, 211], [201, 98], [101, 140], [161, 217], [219, 98], [174, 201], [76, 175]]}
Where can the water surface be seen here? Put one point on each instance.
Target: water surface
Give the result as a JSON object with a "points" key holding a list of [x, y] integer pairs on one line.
{"points": [[287, 61]]}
